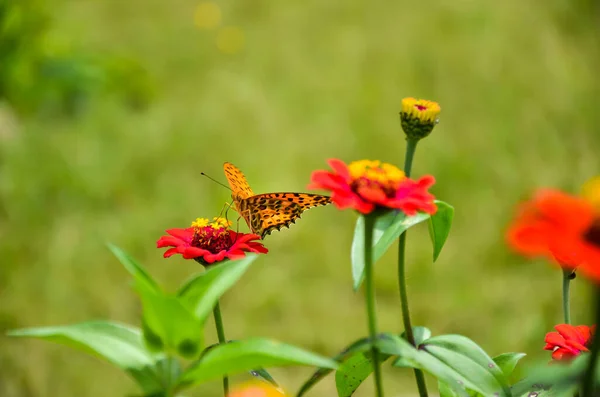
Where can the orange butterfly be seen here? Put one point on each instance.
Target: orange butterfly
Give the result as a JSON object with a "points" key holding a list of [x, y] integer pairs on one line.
{"points": [[265, 212]]}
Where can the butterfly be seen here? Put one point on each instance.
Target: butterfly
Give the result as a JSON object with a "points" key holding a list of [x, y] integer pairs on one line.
{"points": [[268, 211]]}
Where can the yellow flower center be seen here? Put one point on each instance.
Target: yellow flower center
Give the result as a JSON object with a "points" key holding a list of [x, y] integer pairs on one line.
{"points": [[213, 236], [376, 171], [422, 109], [591, 192]]}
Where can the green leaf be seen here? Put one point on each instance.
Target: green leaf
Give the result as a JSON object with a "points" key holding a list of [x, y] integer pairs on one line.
{"points": [[387, 229], [357, 347], [558, 380], [169, 325], [445, 390], [354, 371], [202, 292], [485, 382], [421, 334], [439, 226], [115, 343], [141, 276], [449, 347], [508, 361], [245, 355], [263, 374], [410, 356]]}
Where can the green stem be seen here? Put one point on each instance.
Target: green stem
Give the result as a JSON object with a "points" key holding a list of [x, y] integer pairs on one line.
{"points": [[370, 301], [589, 378], [567, 274], [420, 378], [411, 146], [221, 336]]}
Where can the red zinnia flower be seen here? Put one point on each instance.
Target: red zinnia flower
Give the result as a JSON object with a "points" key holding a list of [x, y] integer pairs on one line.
{"points": [[210, 243], [367, 185], [569, 341], [559, 226]]}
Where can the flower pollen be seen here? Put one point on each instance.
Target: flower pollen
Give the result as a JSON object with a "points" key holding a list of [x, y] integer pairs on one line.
{"points": [[368, 174], [213, 237]]}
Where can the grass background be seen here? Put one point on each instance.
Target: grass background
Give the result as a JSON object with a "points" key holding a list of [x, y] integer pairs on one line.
{"points": [[517, 84]]}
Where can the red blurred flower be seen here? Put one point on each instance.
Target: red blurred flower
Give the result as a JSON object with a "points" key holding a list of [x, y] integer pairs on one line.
{"points": [[569, 341], [255, 389], [367, 185], [559, 226], [208, 243]]}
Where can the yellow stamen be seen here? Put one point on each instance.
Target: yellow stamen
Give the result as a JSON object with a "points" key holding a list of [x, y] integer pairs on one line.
{"points": [[200, 222], [422, 109], [591, 191], [376, 171], [220, 222]]}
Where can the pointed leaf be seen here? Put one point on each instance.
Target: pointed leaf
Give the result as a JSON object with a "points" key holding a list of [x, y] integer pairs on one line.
{"points": [[485, 382], [461, 345], [140, 275], [119, 344], [508, 361], [421, 334], [245, 355], [439, 226], [387, 229], [354, 371], [357, 347], [410, 356], [169, 326], [263, 374], [201, 293]]}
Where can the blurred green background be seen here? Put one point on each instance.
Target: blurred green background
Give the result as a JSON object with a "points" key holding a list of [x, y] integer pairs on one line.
{"points": [[277, 88]]}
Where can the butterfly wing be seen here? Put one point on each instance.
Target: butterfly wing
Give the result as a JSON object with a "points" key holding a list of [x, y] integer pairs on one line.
{"points": [[240, 189], [265, 212]]}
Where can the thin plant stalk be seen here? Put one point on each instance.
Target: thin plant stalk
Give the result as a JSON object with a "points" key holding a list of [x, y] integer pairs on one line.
{"points": [[370, 303], [566, 284], [589, 378], [221, 336], [411, 146]]}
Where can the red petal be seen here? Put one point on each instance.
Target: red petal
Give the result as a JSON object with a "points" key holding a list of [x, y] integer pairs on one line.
{"points": [[169, 241], [170, 252], [341, 169]]}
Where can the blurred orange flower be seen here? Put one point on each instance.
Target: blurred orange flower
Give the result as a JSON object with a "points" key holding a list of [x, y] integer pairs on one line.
{"points": [[256, 389], [560, 226]]}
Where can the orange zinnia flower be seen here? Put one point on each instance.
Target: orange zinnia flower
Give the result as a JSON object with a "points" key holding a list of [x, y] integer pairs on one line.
{"points": [[559, 226], [208, 243], [569, 341], [255, 389], [367, 185]]}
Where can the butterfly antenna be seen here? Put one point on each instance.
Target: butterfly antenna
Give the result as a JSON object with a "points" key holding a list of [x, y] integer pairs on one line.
{"points": [[214, 180]]}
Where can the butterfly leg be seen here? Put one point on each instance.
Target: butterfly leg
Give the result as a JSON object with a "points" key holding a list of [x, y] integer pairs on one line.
{"points": [[225, 208]]}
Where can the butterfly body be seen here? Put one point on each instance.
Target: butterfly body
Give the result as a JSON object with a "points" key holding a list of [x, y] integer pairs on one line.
{"points": [[269, 211]]}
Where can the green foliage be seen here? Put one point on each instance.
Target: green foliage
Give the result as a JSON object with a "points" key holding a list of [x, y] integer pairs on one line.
{"points": [[173, 326], [439, 226], [389, 226], [244, 355], [386, 230], [40, 72], [518, 100]]}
